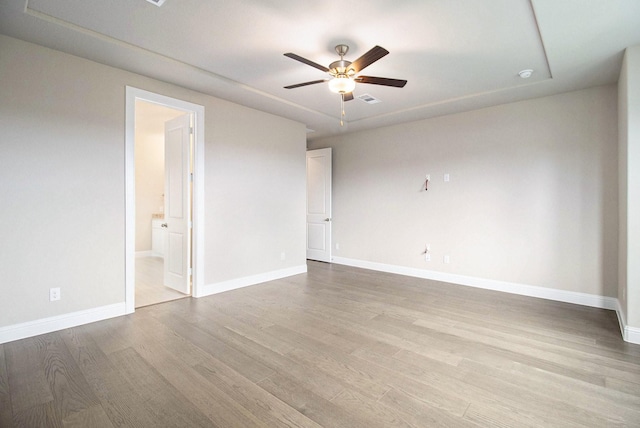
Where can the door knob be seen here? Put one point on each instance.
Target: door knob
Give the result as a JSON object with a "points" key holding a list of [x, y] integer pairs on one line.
{"points": [[163, 225], [327, 219]]}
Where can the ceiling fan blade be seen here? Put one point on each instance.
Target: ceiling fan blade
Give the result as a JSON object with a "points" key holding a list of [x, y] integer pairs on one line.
{"points": [[369, 58], [348, 96], [306, 61], [384, 81], [313, 82]]}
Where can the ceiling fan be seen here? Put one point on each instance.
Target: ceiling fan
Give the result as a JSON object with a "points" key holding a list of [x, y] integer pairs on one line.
{"points": [[345, 74]]}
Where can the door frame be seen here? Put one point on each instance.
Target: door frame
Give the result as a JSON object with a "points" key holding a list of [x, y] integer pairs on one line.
{"points": [[197, 245], [327, 153]]}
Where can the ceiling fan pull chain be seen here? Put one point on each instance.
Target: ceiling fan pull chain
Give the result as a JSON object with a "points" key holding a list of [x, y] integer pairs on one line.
{"points": [[342, 110]]}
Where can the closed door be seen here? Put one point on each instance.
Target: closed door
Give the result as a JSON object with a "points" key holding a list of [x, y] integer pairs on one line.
{"points": [[319, 205], [177, 210]]}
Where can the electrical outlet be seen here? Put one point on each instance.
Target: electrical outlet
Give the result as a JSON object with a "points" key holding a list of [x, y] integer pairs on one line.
{"points": [[283, 256], [337, 245], [54, 294], [446, 259], [427, 257], [446, 178]]}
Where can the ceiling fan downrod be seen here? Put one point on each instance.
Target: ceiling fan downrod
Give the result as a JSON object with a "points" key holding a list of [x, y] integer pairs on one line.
{"points": [[341, 67]]}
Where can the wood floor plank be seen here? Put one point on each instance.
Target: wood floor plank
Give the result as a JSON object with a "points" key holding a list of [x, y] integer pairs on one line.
{"points": [[420, 414], [378, 415], [155, 394], [563, 389], [28, 383], [310, 404], [70, 389], [539, 402], [368, 379], [6, 412], [335, 347], [114, 390], [247, 366], [40, 415], [300, 372], [439, 376], [94, 417], [221, 408], [622, 385], [57, 377], [554, 357], [271, 410], [115, 335]]}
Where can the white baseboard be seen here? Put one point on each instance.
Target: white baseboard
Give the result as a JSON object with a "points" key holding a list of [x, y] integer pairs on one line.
{"points": [[47, 325], [490, 284], [629, 334], [220, 287]]}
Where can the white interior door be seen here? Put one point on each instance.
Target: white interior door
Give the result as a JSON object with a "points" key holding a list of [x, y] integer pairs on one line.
{"points": [[177, 148], [319, 205]]}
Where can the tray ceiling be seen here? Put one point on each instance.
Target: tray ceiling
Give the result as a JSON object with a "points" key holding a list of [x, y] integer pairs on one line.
{"points": [[456, 54]]}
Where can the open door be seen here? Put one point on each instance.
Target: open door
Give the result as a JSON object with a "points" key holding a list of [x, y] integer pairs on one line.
{"points": [[319, 205], [177, 149]]}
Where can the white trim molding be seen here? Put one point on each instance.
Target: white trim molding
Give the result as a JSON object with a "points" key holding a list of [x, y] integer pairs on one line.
{"points": [[233, 284], [629, 334], [490, 284], [131, 95], [60, 322]]}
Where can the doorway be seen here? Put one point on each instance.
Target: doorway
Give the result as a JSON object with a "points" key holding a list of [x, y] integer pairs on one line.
{"points": [[151, 177], [319, 220], [159, 242]]}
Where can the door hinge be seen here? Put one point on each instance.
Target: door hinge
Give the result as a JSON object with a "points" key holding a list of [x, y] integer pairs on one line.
{"points": [[191, 130], [190, 225], [190, 271], [191, 177]]}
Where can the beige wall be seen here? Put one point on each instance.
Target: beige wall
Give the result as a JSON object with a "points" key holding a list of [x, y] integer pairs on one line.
{"points": [[257, 186], [532, 198], [62, 121]]}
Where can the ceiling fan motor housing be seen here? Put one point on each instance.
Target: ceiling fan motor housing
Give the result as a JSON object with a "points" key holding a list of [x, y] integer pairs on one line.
{"points": [[341, 68]]}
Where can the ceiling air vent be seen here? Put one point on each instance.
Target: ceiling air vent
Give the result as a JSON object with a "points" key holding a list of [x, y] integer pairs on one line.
{"points": [[366, 98], [156, 2]]}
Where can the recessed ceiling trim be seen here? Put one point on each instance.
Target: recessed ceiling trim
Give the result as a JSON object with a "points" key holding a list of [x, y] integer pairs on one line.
{"points": [[108, 39], [544, 48], [446, 101]]}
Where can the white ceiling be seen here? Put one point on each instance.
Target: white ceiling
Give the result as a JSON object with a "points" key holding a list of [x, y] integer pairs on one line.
{"points": [[457, 55]]}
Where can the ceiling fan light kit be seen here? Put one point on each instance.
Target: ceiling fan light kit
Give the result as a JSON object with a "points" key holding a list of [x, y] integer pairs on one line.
{"points": [[344, 74], [342, 85]]}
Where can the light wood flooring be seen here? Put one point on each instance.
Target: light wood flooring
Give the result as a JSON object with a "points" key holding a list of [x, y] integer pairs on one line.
{"points": [[149, 283], [337, 347]]}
